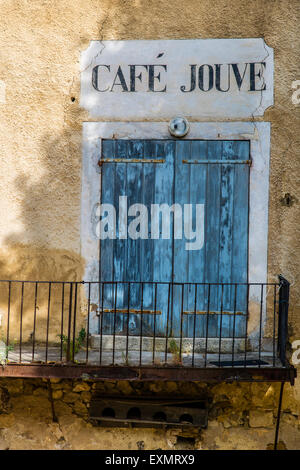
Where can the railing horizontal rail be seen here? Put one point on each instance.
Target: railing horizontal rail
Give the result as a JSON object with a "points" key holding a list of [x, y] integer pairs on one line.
{"points": [[145, 282]]}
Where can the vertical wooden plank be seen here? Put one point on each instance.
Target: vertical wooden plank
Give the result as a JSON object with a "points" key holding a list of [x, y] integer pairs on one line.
{"points": [[107, 197], [181, 255], [146, 246], [120, 245], [163, 248], [196, 267], [226, 232], [134, 189], [107, 245], [181, 196], [226, 219], [212, 232], [239, 268]]}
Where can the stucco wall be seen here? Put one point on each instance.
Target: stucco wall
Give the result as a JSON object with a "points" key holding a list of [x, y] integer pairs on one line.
{"points": [[41, 121]]}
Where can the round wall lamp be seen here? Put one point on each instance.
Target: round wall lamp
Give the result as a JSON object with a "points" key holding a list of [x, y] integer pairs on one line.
{"points": [[179, 127]]}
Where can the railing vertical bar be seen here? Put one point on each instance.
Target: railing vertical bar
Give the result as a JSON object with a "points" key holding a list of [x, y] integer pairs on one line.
{"points": [[154, 321], [279, 319], [194, 329], [167, 325], [69, 322], [221, 323], [115, 284], [246, 325], [127, 323], [260, 323], [181, 323], [172, 311], [234, 319], [74, 322], [88, 324], [8, 318], [48, 321], [62, 319], [283, 318], [101, 322], [34, 319], [21, 322], [274, 324], [98, 287], [141, 325], [207, 322]]}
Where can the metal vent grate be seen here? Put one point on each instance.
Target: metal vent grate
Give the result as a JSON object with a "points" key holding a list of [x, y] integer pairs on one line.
{"points": [[114, 412]]}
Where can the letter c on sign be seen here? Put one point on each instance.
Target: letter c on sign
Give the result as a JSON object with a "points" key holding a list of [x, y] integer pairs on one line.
{"points": [[95, 77]]}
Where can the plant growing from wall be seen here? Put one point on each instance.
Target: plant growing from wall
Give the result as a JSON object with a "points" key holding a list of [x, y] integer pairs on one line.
{"points": [[4, 350], [74, 346], [174, 350]]}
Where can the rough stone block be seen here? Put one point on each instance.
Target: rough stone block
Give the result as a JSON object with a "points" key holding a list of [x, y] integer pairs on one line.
{"points": [[260, 419], [57, 394], [71, 397], [41, 392], [86, 396], [80, 408], [81, 387]]}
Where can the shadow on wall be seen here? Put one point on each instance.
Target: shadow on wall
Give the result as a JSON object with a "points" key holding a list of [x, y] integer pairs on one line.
{"points": [[43, 243], [46, 201], [48, 198]]}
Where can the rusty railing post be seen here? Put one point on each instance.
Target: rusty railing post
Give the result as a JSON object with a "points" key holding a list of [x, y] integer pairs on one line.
{"points": [[284, 290]]}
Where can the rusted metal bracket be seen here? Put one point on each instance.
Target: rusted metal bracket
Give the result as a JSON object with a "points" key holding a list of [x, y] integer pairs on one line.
{"points": [[218, 162], [211, 312], [130, 160]]}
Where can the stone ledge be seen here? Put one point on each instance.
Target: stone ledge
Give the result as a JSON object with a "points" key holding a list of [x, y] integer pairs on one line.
{"points": [[134, 343]]}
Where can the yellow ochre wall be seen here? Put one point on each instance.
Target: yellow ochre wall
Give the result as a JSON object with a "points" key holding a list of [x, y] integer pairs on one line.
{"points": [[41, 129]]}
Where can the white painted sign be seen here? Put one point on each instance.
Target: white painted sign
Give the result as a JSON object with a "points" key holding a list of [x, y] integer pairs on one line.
{"points": [[160, 79]]}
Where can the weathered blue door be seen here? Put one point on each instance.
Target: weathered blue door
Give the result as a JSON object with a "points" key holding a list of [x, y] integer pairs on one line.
{"points": [[209, 181]]}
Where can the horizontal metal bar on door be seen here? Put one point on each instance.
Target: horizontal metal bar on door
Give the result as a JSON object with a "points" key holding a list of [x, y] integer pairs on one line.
{"points": [[130, 311], [210, 312], [222, 162], [131, 160]]}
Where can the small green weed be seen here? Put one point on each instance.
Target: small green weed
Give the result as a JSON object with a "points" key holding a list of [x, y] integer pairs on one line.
{"points": [[174, 350], [4, 350], [74, 347]]}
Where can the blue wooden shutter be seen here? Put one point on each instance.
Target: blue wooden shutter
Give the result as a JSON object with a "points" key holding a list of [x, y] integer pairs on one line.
{"points": [[145, 174], [213, 173]]}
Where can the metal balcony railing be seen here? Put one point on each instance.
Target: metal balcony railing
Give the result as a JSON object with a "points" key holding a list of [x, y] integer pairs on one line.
{"points": [[144, 324]]}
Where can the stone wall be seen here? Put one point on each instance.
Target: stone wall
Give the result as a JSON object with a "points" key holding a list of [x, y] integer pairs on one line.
{"points": [[241, 416]]}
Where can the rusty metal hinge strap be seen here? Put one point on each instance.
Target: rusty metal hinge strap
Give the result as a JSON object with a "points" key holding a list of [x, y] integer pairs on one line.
{"points": [[221, 162], [131, 160]]}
